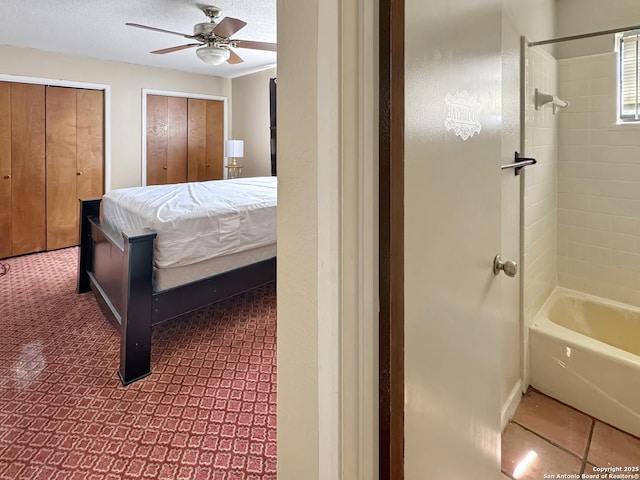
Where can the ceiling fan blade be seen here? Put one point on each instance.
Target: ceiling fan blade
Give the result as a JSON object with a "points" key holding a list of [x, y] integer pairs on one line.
{"points": [[228, 26], [137, 25], [175, 49], [271, 47], [234, 58]]}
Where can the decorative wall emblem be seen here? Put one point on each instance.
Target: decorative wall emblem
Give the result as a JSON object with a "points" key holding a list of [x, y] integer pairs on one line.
{"points": [[463, 114]]}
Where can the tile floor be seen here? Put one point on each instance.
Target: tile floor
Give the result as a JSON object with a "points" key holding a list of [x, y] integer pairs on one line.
{"points": [[557, 439]]}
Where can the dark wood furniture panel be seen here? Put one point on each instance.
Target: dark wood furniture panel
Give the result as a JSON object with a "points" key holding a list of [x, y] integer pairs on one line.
{"points": [[61, 127], [273, 84], [5, 169], [89, 145], [118, 267], [28, 227]]}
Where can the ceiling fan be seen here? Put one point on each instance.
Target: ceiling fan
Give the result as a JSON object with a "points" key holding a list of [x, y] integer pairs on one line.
{"points": [[213, 39]]}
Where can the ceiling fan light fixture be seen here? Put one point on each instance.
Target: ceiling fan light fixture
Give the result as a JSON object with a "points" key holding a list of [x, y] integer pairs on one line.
{"points": [[212, 55]]}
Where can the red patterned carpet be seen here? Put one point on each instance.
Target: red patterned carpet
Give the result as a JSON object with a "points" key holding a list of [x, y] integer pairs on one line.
{"points": [[208, 411]]}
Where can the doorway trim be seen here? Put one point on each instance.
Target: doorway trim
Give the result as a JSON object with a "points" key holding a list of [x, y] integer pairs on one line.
{"points": [[168, 93], [87, 86], [391, 238]]}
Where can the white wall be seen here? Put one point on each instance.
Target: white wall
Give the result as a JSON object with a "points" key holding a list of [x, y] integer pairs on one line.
{"points": [[327, 259], [126, 81], [297, 240], [599, 184], [251, 121], [535, 19], [540, 191], [575, 17]]}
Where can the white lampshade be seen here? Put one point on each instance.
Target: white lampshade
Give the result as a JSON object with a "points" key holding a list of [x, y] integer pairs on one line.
{"points": [[212, 55], [234, 148]]}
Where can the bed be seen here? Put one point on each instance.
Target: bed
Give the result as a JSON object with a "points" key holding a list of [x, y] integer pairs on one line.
{"points": [[164, 250]]}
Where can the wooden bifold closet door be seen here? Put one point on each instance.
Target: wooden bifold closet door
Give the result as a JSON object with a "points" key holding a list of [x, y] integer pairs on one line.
{"points": [[205, 140], [22, 166], [5, 170], [166, 140], [184, 139], [74, 158], [51, 154]]}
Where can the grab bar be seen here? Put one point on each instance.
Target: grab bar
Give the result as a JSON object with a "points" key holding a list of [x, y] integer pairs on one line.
{"points": [[519, 163]]}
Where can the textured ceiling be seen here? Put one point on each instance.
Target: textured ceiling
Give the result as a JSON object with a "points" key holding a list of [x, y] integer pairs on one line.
{"points": [[97, 29]]}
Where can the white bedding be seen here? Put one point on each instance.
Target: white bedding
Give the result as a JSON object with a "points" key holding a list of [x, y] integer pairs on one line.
{"points": [[165, 278], [199, 220]]}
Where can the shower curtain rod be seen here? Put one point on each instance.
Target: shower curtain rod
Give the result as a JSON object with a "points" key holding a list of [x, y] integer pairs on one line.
{"points": [[583, 35]]}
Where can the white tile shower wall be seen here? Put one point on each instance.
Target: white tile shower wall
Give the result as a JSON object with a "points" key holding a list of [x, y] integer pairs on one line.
{"points": [[540, 190], [598, 184]]}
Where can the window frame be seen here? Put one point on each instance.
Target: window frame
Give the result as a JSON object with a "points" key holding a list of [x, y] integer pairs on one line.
{"points": [[619, 41]]}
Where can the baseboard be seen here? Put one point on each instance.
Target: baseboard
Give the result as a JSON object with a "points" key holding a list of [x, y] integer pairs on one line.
{"points": [[510, 406]]}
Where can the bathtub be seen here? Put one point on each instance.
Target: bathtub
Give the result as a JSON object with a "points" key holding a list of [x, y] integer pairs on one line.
{"points": [[585, 352]]}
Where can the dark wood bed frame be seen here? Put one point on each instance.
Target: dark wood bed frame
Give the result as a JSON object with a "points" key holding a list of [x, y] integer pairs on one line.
{"points": [[118, 267]]}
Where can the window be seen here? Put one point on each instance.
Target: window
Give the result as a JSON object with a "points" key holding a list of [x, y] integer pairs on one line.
{"points": [[629, 101]]}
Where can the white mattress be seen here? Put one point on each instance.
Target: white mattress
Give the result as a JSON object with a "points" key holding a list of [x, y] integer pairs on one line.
{"points": [[200, 220], [165, 278]]}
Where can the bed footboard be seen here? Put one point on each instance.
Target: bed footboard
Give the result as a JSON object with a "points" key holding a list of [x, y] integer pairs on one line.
{"points": [[119, 268]]}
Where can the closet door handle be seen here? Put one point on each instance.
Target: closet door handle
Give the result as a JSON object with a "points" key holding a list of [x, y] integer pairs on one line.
{"points": [[7, 177], [78, 173], [164, 168]]}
